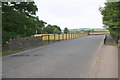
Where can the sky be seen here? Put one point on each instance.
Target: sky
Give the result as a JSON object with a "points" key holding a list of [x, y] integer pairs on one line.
{"points": [[72, 14]]}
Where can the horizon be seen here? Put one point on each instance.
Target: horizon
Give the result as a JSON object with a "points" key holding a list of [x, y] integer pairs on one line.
{"points": [[88, 28]]}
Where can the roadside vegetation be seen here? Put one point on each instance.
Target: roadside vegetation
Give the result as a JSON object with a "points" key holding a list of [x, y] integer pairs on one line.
{"points": [[19, 20], [111, 16], [9, 52], [111, 19]]}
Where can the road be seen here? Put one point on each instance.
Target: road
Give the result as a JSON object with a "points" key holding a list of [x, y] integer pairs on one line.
{"points": [[65, 59]]}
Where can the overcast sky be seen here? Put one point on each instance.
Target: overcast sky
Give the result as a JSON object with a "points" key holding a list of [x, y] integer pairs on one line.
{"points": [[71, 13]]}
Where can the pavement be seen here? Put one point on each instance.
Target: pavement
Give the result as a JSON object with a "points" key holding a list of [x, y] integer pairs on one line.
{"points": [[73, 58], [119, 59], [108, 60]]}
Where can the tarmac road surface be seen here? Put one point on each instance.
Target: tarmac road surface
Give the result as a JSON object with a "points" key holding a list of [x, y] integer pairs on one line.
{"points": [[65, 59]]}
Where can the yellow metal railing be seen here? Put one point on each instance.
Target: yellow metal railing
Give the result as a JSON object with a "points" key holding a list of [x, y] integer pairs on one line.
{"points": [[56, 37]]}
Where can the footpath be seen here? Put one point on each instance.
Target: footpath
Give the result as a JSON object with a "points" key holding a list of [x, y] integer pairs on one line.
{"points": [[108, 60]]}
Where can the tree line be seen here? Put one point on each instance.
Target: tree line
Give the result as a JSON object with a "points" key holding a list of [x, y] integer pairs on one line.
{"points": [[111, 16], [19, 20]]}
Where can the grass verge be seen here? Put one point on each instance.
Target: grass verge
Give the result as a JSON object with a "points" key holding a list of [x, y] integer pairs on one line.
{"points": [[9, 52]]}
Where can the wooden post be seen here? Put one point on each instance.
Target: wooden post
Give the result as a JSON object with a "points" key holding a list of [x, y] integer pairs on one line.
{"points": [[75, 35], [54, 37], [62, 36], [66, 36], [59, 37], [71, 35], [48, 38]]}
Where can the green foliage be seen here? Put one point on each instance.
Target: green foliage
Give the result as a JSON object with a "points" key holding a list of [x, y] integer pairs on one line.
{"points": [[9, 52], [56, 31], [111, 16], [49, 29], [66, 30], [59, 29], [19, 20]]}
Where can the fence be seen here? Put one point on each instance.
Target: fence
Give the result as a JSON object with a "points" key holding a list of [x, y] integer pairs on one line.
{"points": [[57, 37], [47, 38], [115, 37], [39, 40], [36, 41]]}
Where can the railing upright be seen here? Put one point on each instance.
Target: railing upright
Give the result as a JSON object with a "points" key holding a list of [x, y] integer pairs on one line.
{"points": [[54, 37], [48, 38]]}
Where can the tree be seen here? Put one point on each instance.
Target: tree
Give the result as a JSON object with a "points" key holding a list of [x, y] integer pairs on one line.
{"points": [[66, 30], [19, 20], [111, 16], [57, 29], [92, 30], [51, 29]]}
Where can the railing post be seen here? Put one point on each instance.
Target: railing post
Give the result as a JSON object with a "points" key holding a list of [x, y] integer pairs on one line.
{"points": [[48, 38], [105, 39], [117, 39], [54, 37], [59, 37], [42, 37], [75, 35], [71, 35], [62, 36], [42, 40], [66, 36]]}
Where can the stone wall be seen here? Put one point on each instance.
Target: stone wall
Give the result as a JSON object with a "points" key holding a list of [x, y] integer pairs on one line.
{"points": [[23, 43]]}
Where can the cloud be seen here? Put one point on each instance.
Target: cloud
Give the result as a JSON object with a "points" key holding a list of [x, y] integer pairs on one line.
{"points": [[70, 13]]}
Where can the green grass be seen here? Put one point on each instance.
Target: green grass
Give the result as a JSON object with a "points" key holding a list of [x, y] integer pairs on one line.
{"points": [[15, 51], [9, 52], [117, 45]]}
